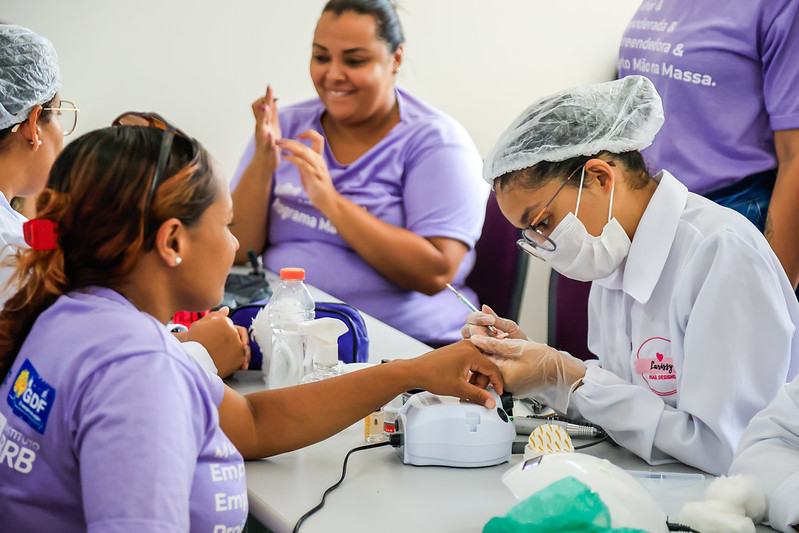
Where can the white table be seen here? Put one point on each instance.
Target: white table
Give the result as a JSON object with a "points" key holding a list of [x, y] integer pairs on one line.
{"points": [[380, 493]]}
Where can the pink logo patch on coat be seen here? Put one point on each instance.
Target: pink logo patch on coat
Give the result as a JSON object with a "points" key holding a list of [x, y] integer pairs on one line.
{"points": [[656, 367]]}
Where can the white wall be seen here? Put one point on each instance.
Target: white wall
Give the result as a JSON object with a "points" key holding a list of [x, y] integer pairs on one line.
{"points": [[200, 63]]}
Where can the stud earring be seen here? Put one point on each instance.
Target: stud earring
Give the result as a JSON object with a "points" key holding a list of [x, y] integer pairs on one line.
{"points": [[40, 143], [178, 260]]}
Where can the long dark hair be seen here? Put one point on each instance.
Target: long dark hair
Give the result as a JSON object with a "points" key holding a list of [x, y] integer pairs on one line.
{"points": [[96, 193]]}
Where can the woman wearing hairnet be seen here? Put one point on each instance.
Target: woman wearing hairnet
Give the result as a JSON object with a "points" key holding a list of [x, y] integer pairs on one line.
{"points": [[691, 315], [33, 122]]}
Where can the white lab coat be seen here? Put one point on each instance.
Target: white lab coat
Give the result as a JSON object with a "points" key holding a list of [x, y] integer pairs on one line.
{"points": [[10, 236], [703, 307], [769, 451]]}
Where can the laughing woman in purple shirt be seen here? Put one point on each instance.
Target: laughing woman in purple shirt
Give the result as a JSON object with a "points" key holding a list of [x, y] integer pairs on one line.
{"points": [[106, 424], [378, 195]]}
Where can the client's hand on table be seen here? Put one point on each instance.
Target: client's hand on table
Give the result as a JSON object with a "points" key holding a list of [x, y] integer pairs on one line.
{"points": [[227, 344], [529, 367], [459, 370]]}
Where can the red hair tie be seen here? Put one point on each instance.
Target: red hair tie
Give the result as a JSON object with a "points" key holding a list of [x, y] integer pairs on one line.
{"points": [[41, 234]]}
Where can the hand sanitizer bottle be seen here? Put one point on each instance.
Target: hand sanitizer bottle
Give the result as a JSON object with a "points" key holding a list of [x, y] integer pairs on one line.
{"points": [[323, 334]]}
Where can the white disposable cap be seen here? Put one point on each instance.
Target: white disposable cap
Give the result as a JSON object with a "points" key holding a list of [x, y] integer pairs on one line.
{"points": [[29, 73], [617, 116]]}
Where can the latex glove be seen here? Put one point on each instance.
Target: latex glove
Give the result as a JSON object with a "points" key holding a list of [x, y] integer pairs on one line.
{"points": [[530, 368], [447, 371], [477, 321], [314, 173], [267, 131], [227, 344]]}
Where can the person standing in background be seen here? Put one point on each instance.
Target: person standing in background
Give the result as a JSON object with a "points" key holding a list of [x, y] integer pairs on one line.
{"points": [[728, 76], [385, 205]]}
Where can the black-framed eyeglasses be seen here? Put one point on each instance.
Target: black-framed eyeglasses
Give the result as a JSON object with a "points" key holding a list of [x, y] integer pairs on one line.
{"points": [[533, 236], [67, 114], [154, 120]]}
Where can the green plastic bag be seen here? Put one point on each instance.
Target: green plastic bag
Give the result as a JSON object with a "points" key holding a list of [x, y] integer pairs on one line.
{"points": [[566, 506]]}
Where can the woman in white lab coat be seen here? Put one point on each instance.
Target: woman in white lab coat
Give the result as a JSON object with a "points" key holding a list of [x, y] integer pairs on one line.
{"points": [[691, 315], [769, 451], [32, 127]]}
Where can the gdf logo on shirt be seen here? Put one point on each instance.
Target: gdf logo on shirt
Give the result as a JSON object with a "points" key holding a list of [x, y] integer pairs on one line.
{"points": [[31, 398]]}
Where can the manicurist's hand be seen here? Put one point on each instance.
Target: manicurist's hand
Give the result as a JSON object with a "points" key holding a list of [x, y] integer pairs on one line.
{"points": [[477, 324], [530, 367]]}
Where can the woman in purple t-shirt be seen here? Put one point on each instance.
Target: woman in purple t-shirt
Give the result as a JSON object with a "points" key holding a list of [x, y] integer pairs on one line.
{"points": [[106, 424], [378, 196]]}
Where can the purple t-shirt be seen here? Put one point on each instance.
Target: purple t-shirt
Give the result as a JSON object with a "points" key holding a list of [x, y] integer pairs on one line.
{"points": [[727, 74], [107, 425], [423, 176]]}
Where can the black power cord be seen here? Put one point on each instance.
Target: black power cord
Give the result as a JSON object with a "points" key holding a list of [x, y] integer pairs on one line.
{"points": [[592, 443], [680, 527], [335, 486], [518, 446]]}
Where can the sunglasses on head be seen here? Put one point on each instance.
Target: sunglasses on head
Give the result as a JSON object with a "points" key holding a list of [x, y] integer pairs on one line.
{"points": [[154, 120]]}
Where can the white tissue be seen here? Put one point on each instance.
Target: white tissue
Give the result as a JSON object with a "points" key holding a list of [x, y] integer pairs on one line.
{"points": [[732, 505], [262, 332], [713, 516], [740, 490]]}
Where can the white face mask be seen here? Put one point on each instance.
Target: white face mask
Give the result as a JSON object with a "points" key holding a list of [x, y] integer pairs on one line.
{"points": [[581, 256]]}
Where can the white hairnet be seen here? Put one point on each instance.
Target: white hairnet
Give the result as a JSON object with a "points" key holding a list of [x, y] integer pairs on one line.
{"points": [[29, 73], [617, 116]]}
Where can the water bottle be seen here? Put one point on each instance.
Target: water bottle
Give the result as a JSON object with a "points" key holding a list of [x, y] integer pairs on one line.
{"points": [[290, 305]]}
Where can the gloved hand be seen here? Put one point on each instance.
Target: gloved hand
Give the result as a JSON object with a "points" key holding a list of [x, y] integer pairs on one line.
{"points": [[529, 368], [477, 321]]}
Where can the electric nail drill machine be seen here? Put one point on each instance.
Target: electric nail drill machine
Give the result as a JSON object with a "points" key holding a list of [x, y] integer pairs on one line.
{"points": [[446, 431]]}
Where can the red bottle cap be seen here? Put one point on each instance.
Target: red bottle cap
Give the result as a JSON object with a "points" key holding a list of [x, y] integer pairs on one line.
{"points": [[292, 273]]}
